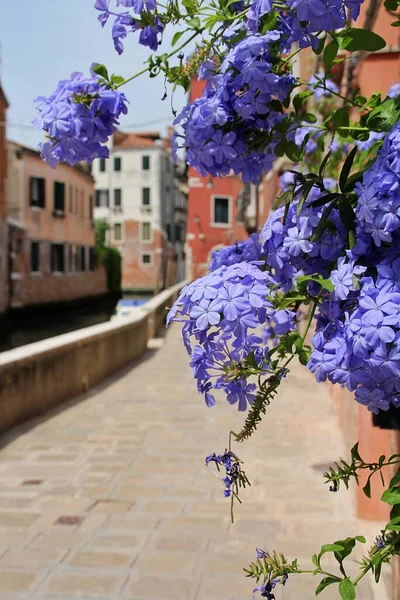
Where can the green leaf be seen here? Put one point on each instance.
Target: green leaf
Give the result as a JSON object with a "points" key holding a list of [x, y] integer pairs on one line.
{"points": [[323, 222], [354, 452], [391, 5], [251, 361], [383, 117], [352, 180], [191, 6], [300, 99], [304, 357], [347, 590], [345, 172], [347, 214], [325, 582], [377, 572], [176, 37], [329, 548], [330, 53], [340, 117], [309, 118], [321, 45], [194, 22], [394, 524], [315, 560], [391, 496], [292, 151], [325, 199], [102, 71], [361, 39], [395, 479], [324, 163], [367, 487]]}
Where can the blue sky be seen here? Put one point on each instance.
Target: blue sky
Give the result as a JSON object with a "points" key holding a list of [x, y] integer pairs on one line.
{"points": [[46, 40]]}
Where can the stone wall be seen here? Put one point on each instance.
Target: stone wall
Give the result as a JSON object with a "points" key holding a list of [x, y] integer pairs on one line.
{"points": [[37, 377]]}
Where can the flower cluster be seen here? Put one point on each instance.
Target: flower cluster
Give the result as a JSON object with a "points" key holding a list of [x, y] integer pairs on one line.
{"points": [[357, 342], [293, 244], [143, 19], [230, 126], [247, 251], [221, 312], [306, 19], [78, 118]]}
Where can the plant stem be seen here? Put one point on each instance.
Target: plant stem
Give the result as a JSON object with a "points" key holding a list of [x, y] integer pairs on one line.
{"points": [[178, 49], [384, 554]]}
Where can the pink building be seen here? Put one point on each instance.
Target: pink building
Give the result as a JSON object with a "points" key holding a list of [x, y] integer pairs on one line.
{"points": [[51, 228]]}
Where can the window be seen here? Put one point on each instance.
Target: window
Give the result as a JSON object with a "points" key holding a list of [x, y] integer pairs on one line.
{"points": [[117, 163], [71, 198], [220, 210], [82, 261], [59, 197], [145, 196], [57, 258], [37, 192], [71, 258], [91, 207], [117, 198], [82, 204], [147, 258], [102, 165], [146, 163], [102, 198], [91, 259], [146, 232], [117, 232], [35, 257]]}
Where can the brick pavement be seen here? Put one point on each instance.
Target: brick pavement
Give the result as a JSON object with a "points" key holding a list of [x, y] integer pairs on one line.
{"points": [[108, 498]]}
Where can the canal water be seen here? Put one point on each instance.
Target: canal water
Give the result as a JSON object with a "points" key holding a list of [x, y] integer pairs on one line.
{"points": [[37, 328]]}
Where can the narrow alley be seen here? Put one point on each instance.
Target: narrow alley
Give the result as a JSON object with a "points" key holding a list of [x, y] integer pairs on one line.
{"points": [[108, 496]]}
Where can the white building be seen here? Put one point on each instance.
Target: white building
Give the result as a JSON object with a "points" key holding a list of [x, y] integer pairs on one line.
{"points": [[140, 196]]}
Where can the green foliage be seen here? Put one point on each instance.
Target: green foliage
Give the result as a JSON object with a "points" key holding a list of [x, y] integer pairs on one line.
{"points": [[108, 256]]}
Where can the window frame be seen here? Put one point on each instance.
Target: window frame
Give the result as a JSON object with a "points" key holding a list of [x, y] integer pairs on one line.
{"points": [[38, 270], [117, 206], [41, 202], [57, 210], [121, 239], [57, 271], [143, 205], [147, 158], [214, 223], [117, 161], [142, 239], [98, 194], [149, 264]]}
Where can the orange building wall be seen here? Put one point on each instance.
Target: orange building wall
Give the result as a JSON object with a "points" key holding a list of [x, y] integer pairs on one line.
{"points": [[74, 228], [77, 224]]}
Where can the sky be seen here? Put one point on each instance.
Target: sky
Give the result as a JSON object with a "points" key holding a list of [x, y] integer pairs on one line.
{"points": [[46, 40]]}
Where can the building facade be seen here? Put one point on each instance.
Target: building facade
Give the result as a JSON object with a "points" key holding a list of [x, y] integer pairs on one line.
{"points": [[51, 231], [3, 206], [139, 194]]}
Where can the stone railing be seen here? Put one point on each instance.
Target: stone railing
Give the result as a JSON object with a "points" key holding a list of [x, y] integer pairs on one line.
{"points": [[39, 376]]}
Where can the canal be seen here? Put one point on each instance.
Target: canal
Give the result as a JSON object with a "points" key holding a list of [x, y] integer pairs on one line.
{"points": [[26, 329]]}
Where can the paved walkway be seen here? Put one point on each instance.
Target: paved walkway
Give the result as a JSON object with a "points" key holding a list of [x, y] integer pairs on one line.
{"points": [[109, 498]]}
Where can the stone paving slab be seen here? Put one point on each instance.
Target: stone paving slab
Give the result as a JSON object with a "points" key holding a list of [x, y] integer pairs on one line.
{"points": [[108, 498]]}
